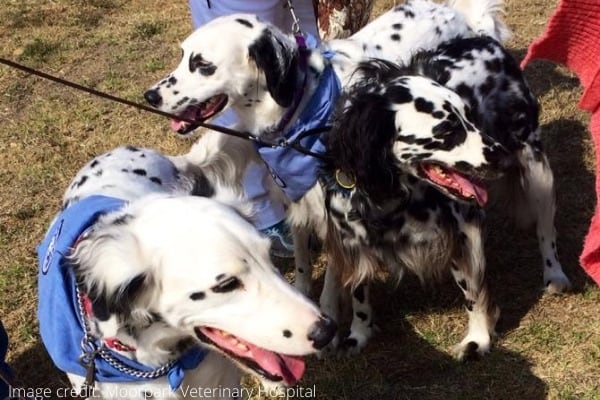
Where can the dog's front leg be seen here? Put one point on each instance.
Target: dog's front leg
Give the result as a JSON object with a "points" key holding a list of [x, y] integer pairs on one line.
{"points": [[361, 329], [330, 303], [538, 186], [468, 270], [303, 265]]}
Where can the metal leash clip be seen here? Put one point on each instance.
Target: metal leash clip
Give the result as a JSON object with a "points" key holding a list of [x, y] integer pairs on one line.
{"points": [[296, 30], [87, 360]]}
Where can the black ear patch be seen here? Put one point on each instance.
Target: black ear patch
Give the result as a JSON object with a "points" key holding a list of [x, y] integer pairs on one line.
{"points": [[121, 302], [279, 64]]}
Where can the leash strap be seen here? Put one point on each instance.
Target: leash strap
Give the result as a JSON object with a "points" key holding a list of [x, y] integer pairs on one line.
{"points": [[277, 142]]}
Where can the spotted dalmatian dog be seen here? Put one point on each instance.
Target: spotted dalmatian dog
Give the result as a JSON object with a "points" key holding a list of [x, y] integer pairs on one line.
{"points": [[160, 269], [410, 148]]}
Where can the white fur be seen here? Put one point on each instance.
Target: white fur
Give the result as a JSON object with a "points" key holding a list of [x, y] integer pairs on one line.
{"points": [[181, 244]]}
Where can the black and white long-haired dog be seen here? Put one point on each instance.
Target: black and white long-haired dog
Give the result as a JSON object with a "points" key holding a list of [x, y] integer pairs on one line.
{"points": [[270, 82], [154, 283], [410, 147]]}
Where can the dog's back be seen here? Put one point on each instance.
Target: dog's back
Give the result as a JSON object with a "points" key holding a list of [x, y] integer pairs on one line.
{"points": [[127, 173]]}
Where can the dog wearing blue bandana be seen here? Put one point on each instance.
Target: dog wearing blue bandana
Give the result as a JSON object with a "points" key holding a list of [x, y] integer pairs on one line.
{"points": [[153, 283]]}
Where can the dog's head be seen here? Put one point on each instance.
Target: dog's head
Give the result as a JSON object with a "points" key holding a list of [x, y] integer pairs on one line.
{"points": [[392, 124], [227, 62], [202, 269]]}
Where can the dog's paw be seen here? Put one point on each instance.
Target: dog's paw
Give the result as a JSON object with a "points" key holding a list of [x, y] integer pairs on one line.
{"points": [[354, 343], [557, 282], [329, 350], [470, 349]]}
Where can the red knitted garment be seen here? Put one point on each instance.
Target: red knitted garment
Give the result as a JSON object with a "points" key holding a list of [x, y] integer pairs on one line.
{"points": [[572, 38]]}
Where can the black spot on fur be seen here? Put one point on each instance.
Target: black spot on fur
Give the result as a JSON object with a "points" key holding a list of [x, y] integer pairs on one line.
{"points": [[132, 148], [156, 180], [395, 37], [359, 293], [423, 105], [94, 163], [139, 171], [548, 263], [123, 219], [245, 22], [81, 181], [397, 26], [198, 296], [399, 94], [463, 284], [220, 277], [196, 62], [362, 315], [287, 333], [301, 270], [202, 186]]}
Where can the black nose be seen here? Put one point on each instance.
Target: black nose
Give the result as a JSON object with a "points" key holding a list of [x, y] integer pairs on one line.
{"points": [[322, 332], [153, 97]]}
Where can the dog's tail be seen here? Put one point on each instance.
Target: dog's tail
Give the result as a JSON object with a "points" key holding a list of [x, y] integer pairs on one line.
{"points": [[484, 16]]}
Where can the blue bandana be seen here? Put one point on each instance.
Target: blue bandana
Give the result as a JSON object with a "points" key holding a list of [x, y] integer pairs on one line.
{"points": [[294, 172], [61, 326]]}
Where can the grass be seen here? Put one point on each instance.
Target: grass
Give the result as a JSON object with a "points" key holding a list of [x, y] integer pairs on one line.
{"points": [[548, 347]]}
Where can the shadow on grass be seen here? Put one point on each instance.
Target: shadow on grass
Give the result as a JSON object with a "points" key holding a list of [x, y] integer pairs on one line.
{"points": [[543, 75], [38, 376], [401, 365]]}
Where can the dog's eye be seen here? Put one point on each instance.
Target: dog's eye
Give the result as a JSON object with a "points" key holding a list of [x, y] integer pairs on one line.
{"points": [[198, 63], [228, 285]]}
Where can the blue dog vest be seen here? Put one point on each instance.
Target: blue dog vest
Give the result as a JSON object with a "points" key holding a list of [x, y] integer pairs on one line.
{"points": [[296, 173], [61, 325]]}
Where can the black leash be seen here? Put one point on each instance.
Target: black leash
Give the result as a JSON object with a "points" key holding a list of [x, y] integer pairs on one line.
{"points": [[279, 142]]}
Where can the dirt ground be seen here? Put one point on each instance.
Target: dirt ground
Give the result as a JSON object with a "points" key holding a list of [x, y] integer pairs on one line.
{"points": [[548, 346]]}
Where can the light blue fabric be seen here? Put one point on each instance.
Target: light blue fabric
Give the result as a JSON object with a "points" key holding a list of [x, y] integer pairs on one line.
{"points": [[296, 173], [61, 326]]}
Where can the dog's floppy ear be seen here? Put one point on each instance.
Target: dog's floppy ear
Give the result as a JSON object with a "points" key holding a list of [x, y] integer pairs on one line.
{"points": [[109, 267], [278, 61], [361, 142]]}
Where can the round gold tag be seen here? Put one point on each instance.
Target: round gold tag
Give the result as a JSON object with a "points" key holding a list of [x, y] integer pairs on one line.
{"points": [[345, 180]]}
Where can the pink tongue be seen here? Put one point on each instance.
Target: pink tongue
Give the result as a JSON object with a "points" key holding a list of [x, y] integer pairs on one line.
{"points": [[288, 367], [470, 188], [190, 113]]}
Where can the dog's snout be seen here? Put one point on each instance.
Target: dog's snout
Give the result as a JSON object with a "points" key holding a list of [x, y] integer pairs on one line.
{"points": [[322, 332], [153, 97]]}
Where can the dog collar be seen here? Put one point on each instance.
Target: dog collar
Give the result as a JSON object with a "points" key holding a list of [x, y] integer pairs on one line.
{"points": [[65, 337]]}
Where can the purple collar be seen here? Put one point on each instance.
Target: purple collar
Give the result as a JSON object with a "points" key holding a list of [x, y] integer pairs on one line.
{"points": [[304, 52]]}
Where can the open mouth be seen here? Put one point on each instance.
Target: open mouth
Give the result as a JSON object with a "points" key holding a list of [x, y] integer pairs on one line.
{"points": [[456, 184], [272, 366], [192, 116]]}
